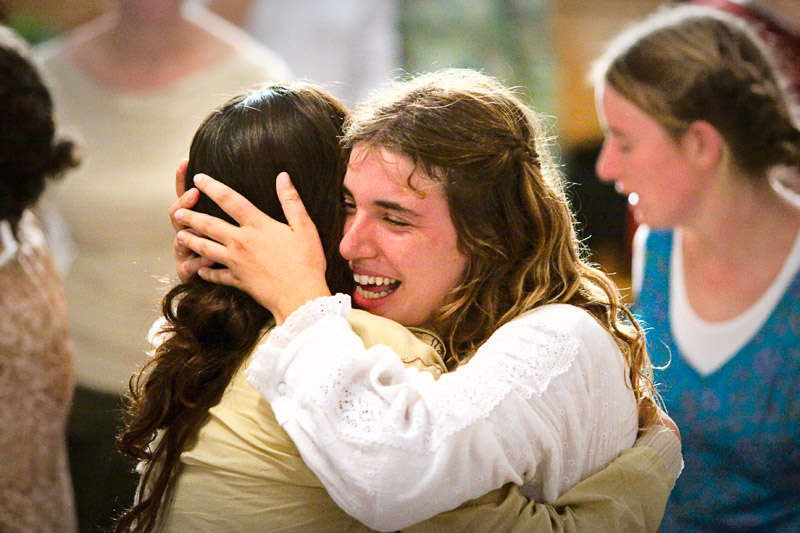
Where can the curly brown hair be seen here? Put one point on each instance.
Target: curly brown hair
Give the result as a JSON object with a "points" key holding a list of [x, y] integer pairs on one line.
{"points": [[212, 328], [30, 151], [487, 148]]}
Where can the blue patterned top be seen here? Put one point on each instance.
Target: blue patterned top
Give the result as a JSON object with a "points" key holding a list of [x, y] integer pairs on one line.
{"points": [[740, 425]]}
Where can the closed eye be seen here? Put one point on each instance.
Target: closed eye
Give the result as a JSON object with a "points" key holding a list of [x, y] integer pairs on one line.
{"points": [[396, 222]]}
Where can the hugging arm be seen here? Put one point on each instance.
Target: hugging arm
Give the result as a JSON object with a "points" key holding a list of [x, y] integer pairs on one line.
{"points": [[630, 494], [390, 446], [228, 248]]}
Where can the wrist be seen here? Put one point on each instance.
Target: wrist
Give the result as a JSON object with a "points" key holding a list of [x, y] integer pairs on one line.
{"points": [[306, 315], [296, 301]]}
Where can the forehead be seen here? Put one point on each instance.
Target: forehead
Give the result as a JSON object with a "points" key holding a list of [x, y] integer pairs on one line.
{"points": [[382, 171], [623, 116]]}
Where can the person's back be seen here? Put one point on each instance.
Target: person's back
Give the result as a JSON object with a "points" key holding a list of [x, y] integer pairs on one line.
{"points": [[35, 350], [244, 473]]}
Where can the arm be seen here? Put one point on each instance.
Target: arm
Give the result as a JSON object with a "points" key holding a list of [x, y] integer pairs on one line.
{"points": [[389, 444], [630, 494]]}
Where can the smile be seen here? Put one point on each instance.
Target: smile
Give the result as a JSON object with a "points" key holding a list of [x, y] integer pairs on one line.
{"points": [[374, 287]]}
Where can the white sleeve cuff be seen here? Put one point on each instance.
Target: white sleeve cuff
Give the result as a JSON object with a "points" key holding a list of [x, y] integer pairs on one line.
{"points": [[308, 314], [271, 359], [666, 444]]}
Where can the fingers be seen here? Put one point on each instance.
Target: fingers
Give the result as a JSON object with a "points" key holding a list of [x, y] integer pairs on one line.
{"points": [[180, 177], [293, 208], [186, 201], [667, 421], [210, 250], [233, 203], [210, 226], [189, 267], [221, 276]]}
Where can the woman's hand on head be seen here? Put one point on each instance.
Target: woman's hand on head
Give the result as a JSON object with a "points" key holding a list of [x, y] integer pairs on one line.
{"points": [[187, 263], [281, 266]]}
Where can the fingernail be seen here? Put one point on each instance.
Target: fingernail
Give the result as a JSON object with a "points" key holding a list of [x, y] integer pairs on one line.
{"points": [[198, 179], [283, 179], [179, 215], [180, 236]]}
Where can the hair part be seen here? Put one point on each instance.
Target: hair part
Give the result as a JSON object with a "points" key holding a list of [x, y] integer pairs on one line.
{"points": [[690, 63], [487, 149], [211, 329]]}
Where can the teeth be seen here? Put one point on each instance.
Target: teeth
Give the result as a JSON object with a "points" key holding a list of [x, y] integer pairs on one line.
{"points": [[372, 280], [371, 295]]}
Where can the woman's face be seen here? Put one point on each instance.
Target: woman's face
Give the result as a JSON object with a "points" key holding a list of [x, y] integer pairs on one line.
{"points": [[641, 158], [400, 242]]}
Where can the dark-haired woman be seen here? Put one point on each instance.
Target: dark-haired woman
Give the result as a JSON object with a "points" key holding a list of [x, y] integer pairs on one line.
{"points": [[35, 349]]}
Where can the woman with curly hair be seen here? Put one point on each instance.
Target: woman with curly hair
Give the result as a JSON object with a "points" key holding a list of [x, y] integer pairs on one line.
{"points": [[213, 455], [456, 221]]}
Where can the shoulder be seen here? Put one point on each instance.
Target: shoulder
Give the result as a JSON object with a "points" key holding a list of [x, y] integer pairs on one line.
{"points": [[374, 330], [563, 320], [566, 332], [557, 335], [248, 51]]}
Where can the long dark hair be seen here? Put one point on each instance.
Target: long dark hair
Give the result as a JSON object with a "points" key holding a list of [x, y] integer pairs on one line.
{"points": [[212, 328]]}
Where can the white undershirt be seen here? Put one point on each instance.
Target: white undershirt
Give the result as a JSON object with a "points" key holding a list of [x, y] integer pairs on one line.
{"points": [[8, 241], [705, 345], [28, 231]]}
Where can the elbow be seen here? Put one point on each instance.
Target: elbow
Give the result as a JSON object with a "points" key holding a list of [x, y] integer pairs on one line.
{"points": [[387, 513]]}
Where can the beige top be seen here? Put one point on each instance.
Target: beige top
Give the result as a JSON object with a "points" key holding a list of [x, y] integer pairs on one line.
{"points": [[35, 386], [116, 205], [245, 474]]}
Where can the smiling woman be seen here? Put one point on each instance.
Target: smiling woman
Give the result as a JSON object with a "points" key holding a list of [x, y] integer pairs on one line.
{"points": [[450, 196], [398, 230]]}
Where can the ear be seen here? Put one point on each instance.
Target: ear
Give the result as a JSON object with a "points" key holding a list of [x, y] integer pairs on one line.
{"points": [[703, 144]]}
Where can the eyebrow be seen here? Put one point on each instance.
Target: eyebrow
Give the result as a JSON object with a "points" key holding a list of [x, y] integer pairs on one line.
{"points": [[386, 204]]}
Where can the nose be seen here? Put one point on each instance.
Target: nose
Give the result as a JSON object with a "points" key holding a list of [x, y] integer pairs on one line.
{"points": [[606, 167], [357, 240]]}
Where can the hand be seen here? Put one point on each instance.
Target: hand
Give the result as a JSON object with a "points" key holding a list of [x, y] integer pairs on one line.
{"points": [[187, 263], [662, 418], [281, 266], [666, 421]]}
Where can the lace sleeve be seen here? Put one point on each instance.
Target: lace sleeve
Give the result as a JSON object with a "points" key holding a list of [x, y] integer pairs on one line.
{"points": [[393, 446]]}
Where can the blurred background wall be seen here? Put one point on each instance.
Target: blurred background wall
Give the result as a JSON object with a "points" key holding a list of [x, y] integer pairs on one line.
{"points": [[543, 46]]}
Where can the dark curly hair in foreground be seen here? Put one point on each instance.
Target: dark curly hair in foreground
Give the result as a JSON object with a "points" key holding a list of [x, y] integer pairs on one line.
{"points": [[29, 150]]}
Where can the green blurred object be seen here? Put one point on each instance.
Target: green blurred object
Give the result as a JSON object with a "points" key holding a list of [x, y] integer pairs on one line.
{"points": [[508, 39], [33, 26]]}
